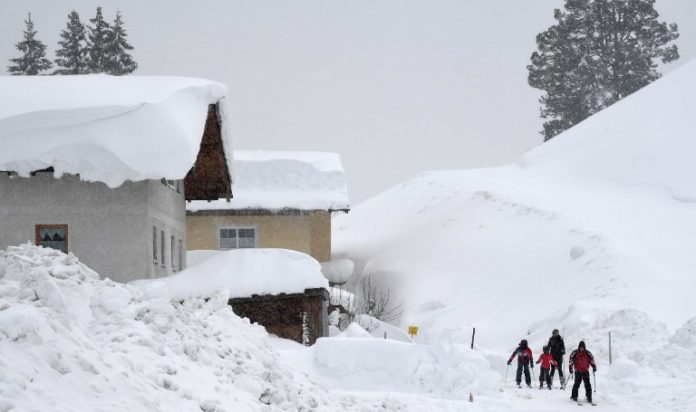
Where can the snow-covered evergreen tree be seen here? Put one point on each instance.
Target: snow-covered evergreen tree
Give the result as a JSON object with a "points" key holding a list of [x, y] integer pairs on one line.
{"points": [[72, 55], [597, 53], [119, 60], [98, 35], [33, 60]]}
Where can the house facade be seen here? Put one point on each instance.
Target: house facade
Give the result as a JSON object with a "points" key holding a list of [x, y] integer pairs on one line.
{"points": [[103, 175], [133, 231], [282, 200]]}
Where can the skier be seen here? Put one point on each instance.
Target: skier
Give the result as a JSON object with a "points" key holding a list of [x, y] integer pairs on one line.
{"points": [[546, 360], [557, 351], [580, 362], [525, 359]]}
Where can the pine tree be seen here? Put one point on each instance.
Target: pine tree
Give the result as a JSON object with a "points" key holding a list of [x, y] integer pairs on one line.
{"points": [[597, 53], [33, 60], [120, 62], [72, 56], [97, 39]]}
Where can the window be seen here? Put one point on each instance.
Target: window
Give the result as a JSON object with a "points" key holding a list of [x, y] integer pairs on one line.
{"points": [[181, 255], [172, 245], [154, 244], [236, 237], [162, 248], [52, 236]]}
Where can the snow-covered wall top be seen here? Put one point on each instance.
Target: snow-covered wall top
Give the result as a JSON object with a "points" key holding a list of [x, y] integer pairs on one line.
{"points": [[648, 138], [104, 128], [243, 272], [279, 180]]}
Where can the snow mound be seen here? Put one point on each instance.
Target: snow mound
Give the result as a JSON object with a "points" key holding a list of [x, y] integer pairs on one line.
{"points": [[284, 180], [106, 128], [368, 364], [243, 273], [70, 341]]}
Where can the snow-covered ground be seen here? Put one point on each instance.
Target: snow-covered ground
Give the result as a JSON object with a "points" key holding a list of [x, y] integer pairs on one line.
{"points": [[590, 233]]}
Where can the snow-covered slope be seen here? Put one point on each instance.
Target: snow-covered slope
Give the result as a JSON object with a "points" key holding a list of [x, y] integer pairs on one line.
{"points": [[590, 233], [106, 128]]}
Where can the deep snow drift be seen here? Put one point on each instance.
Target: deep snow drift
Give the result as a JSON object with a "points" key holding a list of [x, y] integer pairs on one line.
{"points": [[72, 342], [590, 233], [106, 128]]}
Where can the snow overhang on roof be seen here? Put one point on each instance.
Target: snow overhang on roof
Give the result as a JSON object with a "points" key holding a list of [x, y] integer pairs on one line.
{"points": [[105, 128], [271, 180]]}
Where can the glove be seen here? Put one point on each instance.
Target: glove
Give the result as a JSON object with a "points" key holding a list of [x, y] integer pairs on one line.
{"points": [[509, 362], [532, 365], [571, 371], [594, 369]]}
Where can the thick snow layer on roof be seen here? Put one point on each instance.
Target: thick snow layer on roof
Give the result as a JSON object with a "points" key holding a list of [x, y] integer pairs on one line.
{"points": [[105, 128], [245, 272], [284, 180]]}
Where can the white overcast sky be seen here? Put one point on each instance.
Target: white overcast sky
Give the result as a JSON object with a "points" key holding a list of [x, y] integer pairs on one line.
{"points": [[396, 87]]}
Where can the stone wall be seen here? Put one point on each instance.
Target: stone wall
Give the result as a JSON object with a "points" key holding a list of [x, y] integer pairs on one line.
{"points": [[287, 315]]}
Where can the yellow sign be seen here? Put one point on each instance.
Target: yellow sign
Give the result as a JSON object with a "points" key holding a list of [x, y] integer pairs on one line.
{"points": [[413, 330]]}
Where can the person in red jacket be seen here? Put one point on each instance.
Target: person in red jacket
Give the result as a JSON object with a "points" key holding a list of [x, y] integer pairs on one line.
{"points": [[580, 361], [546, 360], [525, 359]]}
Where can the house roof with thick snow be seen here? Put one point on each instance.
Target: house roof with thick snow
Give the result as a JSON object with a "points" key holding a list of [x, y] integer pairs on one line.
{"points": [[105, 128], [276, 180]]}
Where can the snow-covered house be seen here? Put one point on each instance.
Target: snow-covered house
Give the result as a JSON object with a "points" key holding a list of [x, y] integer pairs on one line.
{"points": [[282, 200], [101, 166]]}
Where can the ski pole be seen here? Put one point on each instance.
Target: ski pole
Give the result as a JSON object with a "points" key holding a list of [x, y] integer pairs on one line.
{"points": [[506, 374], [594, 378]]}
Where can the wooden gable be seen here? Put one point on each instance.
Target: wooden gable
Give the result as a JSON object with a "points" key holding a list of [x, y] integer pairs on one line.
{"points": [[209, 178]]}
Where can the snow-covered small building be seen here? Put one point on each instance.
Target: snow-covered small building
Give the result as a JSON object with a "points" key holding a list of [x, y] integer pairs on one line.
{"points": [[101, 166], [282, 200]]}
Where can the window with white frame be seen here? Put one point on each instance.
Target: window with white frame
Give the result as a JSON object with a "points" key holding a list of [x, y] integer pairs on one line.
{"points": [[172, 245], [181, 255], [154, 244], [236, 237], [164, 262]]}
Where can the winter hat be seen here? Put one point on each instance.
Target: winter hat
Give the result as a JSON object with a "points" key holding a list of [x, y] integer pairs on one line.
{"points": [[581, 344], [523, 343], [546, 349], [554, 332]]}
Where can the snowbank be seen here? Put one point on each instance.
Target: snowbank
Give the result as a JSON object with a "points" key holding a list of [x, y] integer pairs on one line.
{"points": [[450, 371], [69, 341], [284, 180], [242, 273], [106, 128]]}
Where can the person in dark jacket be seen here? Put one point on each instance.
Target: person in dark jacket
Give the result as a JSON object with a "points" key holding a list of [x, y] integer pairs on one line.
{"points": [[580, 362], [525, 360], [557, 351]]}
